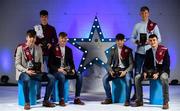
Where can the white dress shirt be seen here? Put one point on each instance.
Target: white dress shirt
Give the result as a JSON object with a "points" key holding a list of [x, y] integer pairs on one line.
{"points": [[120, 62], [63, 54], [29, 63]]}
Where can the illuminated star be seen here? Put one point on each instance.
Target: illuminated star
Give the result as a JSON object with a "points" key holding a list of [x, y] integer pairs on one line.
{"points": [[94, 48]]}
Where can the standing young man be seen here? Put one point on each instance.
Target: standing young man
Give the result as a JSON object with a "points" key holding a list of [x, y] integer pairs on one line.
{"points": [[140, 35], [46, 38]]}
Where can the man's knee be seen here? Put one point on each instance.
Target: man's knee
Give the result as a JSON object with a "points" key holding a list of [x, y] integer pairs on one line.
{"points": [[164, 77], [51, 78], [60, 76], [105, 78], [128, 76], [79, 76], [137, 78], [25, 77]]}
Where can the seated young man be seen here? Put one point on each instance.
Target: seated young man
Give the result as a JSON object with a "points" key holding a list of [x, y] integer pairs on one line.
{"points": [[28, 63], [156, 66], [120, 64], [61, 65]]}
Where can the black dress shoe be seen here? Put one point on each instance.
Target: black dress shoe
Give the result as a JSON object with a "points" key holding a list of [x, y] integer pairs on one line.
{"points": [[138, 103], [78, 101], [48, 104], [107, 101]]}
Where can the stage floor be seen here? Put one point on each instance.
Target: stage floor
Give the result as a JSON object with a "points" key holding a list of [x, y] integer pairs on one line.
{"points": [[8, 102]]}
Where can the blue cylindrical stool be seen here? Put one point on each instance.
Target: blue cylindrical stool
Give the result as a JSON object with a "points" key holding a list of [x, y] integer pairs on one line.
{"points": [[156, 93], [118, 90], [56, 91], [32, 93]]}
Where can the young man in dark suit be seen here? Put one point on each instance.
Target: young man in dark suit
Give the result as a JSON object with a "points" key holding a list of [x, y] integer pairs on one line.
{"points": [[121, 58], [46, 38], [157, 63], [61, 65]]}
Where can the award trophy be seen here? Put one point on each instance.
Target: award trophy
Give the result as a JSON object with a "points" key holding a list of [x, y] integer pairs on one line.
{"points": [[143, 38]]}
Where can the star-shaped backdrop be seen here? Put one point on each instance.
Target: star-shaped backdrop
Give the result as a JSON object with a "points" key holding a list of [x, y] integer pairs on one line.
{"points": [[95, 48]]}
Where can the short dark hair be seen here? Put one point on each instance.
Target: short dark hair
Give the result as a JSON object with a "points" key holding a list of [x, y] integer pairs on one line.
{"points": [[144, 8], [153, 35], [43, 12], [31, 33], [63, 34], [120, 36]]}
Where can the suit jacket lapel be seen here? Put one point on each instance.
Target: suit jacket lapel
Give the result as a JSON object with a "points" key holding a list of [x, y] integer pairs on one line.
{"points": [[152, 55], [116, 57], [65, 56], [35, 53]]}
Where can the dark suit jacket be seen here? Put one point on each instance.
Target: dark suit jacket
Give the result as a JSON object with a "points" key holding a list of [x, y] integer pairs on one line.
{"points": [[54, 62], [149, 62], [50, 36], [113, 59]]}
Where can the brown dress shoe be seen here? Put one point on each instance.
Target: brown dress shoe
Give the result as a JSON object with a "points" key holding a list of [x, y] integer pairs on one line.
{"points": [[107, 101], [48, 104], [165, 105], [62, 103], [78, 101], [127, 103], [27, 106], [138, 103]]}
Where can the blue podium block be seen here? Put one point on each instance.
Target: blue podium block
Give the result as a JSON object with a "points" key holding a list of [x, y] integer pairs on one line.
{"points": [[32, 93], [56, 91], [118, 90], [156, 93]]}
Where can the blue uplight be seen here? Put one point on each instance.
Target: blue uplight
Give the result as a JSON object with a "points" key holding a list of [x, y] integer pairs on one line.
{"points": [[5, 60]]}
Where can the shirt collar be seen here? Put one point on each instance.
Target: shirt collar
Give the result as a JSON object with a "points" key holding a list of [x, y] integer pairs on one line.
{"points": [[154, 49], [62, 47], [145, 22]]}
